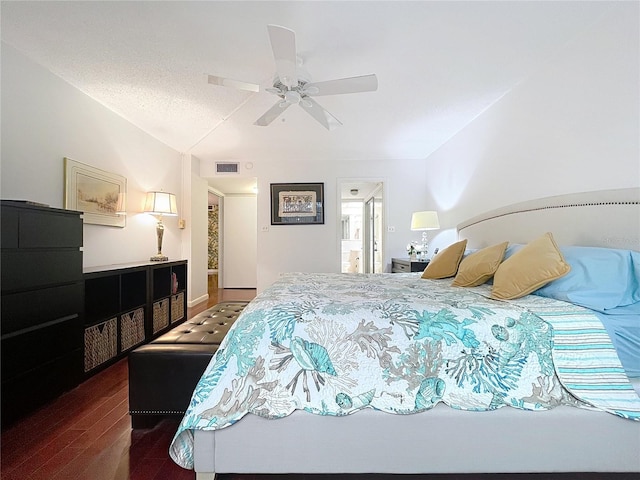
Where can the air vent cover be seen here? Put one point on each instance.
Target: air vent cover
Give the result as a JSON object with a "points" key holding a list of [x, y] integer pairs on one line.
{"points": [[227, 167]]}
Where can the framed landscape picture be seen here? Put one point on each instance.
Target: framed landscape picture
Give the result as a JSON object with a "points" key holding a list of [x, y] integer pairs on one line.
{"points": [[297, 203], [93, 192]]}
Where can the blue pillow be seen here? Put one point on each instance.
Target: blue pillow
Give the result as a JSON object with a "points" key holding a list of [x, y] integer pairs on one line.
{"points": [[602, 279]]}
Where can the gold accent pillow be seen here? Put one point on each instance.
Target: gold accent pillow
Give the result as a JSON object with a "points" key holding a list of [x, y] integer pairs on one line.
{"points": [[535, 265], [480, 266], [445, 264]]}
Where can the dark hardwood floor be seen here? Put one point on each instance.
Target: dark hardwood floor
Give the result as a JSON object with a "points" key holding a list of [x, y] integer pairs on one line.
{"points": [[86, 434]]}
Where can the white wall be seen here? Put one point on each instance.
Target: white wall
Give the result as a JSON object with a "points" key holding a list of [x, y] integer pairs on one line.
{"points": [[571, 127], [239, 243], [194, 235], [44, 119], [316, 248]]}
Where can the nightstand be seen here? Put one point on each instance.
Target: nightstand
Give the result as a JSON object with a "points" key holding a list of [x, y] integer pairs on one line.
{"points": [[404, 265]]}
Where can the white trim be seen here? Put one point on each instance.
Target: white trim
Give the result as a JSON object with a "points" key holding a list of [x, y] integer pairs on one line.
{"points": [[383, 181], [216, 192], [205, 476], [198, 300]]}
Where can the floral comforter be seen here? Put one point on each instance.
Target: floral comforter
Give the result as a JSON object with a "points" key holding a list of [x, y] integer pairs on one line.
{"points": [[332, 344]]}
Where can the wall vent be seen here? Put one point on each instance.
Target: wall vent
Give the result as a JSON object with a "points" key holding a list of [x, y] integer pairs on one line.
{"points": [[227, 167]]}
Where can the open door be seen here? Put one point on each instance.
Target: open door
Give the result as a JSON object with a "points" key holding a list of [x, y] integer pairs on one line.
{"points": [[373, 232], [236, 231], [361, 223]]}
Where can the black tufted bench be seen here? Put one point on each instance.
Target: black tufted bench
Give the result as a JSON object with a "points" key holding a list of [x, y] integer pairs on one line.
{"points": [[164, 372]]}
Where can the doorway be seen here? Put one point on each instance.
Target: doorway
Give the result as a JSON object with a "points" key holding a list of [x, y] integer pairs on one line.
{"points": [[213, 239], [361, 224], [234, 234]]}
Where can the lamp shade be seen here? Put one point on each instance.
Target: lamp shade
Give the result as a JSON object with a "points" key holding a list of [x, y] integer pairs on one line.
{"points": [[427, 220], [161, 203]]}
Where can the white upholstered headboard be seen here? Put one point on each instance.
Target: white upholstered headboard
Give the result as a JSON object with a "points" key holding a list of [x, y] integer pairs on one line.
{"points": [[604, 218]]}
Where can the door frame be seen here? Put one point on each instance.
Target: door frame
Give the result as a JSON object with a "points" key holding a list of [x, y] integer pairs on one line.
{"points": [[385, 211], [220, 196], [369, 229]]}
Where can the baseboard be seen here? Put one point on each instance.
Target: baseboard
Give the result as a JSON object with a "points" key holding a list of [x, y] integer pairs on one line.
{"points": [[198, 300]]}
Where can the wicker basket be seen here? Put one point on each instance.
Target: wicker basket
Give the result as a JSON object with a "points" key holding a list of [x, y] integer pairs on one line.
{"points": [[131, 329], [100, 343], [160, 315], [177, 307]]}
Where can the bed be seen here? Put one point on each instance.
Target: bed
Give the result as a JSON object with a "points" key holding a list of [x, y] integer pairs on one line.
{"points": [[494, 385]]}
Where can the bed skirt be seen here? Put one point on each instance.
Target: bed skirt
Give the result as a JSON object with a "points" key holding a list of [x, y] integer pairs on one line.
{"points": [[443, 440]]}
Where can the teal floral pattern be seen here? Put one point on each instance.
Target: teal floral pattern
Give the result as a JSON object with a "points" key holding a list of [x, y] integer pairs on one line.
{"points": [[332, 344]]}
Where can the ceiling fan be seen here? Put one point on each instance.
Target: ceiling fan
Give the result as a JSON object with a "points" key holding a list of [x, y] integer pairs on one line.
{"points": [[292, 86]]}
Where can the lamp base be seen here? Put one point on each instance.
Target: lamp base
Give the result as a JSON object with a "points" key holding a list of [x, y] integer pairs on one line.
{"points": [[159, 258]]}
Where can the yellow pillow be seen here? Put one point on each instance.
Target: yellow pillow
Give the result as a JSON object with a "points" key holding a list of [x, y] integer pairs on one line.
{"points": [[445, 264], [480, 266], [528, 269]]}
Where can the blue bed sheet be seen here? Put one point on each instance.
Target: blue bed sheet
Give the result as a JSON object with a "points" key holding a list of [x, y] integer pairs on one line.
{"points": [[624, 331]]}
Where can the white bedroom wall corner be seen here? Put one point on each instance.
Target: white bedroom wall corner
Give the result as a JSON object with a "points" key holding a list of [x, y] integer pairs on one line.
{"points": [[576, 119], [184, 211], [35, 141], [194, 235]]}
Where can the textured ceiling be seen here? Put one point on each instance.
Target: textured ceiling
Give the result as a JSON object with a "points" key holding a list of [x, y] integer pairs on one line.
{"points": [[439, 65]]}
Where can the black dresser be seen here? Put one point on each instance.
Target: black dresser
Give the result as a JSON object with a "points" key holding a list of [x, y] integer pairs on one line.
{"points": [[42, 287]]}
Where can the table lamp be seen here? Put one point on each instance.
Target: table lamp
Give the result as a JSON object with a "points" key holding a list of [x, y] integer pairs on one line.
{"points": [[160, 203], [427, 220]]}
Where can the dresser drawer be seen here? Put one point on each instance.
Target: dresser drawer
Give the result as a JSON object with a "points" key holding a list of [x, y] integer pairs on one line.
{"points": [[28, 309], [42, 304], [24, 393], [400, 267], [28, 349], [40, 228], [25, 269]]}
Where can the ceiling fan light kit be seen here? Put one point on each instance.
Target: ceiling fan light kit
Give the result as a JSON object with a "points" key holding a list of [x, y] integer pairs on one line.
{"points": [[291, 84]]}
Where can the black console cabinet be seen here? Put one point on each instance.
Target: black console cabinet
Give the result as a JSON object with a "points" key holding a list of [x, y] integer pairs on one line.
{"points": [[42, 291], [130, 304]]}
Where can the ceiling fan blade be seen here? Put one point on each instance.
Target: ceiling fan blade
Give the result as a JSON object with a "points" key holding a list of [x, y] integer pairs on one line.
{"points": [[228, 82], [273, 113], [363, 83], [320, 114], [283, 44]]}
